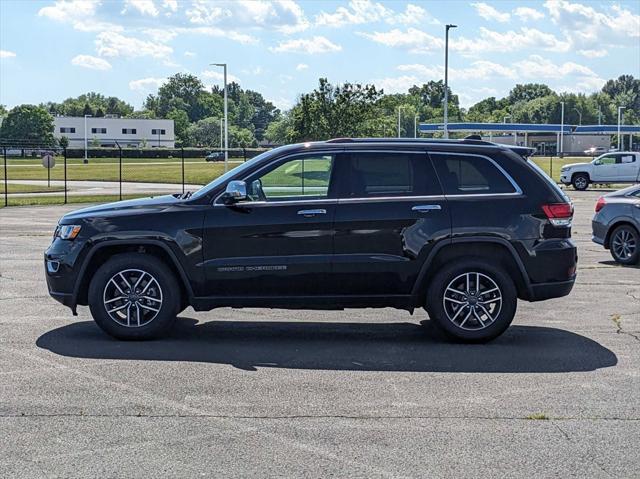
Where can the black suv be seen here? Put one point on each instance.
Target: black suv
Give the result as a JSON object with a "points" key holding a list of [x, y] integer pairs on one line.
{"points": [[462, 228]]}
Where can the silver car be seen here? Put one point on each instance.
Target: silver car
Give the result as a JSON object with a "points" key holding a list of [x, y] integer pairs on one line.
{"points": [[616, 224]]}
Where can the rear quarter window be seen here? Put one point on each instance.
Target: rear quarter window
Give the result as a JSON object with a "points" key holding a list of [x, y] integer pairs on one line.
{"points": [[466, 174]]}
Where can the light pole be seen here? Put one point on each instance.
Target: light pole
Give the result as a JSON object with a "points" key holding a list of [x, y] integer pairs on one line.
{"points": [[399, 108], [86, 160], [226, 120], [620, 108], [221, 133], [579, 116], [504, 120], [599, 115], [446, 78], [562, 128], [415, 126]]}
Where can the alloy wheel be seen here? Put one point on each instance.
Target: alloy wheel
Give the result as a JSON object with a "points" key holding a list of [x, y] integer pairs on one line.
{"points": [[624, 244], [472, 301], [132, 298]]}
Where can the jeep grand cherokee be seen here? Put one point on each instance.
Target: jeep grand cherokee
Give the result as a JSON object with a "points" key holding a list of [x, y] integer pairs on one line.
{"points": [[462, 228]]}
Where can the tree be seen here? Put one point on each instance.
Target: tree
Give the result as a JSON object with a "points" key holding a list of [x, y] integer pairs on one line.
{"points": [[180, 125], [28, 124], [182, 91], [87, 110], [63, 141], [528, 92], [99, 112], [335, 111]]}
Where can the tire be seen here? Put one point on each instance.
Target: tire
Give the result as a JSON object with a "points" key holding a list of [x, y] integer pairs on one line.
{"points": [[157, 304], [624, 245], [455, 316], [580, 181]]}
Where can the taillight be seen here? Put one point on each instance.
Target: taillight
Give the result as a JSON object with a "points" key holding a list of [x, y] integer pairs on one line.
{"points": [[600, 204], [559, 214]]}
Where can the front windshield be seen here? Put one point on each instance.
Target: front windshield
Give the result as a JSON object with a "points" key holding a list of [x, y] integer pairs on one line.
{"points": [[230, 174]]}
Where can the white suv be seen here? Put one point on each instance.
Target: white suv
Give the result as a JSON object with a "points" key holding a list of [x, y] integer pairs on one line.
{"points": [[618, 167]]}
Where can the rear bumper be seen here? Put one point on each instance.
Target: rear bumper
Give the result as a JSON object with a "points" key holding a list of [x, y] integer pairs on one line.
{"points": [[556, 289], [599, 231]]}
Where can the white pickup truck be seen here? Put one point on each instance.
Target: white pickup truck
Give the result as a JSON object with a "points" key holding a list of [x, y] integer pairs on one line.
{"points": [[618, 167]]}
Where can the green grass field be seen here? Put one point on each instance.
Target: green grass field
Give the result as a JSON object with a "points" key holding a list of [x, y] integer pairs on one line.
{"points": [[20, 188], [197, 171]]}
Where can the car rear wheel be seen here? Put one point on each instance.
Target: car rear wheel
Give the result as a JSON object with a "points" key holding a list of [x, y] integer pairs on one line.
{"points": [[625, 245], [472, 300], [134, 296], [580, 181]]}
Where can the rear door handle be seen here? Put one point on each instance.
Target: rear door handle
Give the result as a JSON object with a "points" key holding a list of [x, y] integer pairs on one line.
{"points": [[426, 208], [311, 213]]}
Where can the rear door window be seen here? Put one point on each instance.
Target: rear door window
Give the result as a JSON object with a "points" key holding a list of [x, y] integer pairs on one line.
{"points": [[463, 174], [379, 174]]}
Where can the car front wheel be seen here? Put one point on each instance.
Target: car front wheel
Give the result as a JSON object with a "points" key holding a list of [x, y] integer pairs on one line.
{"points": [[580, 182], [134, 296], [625, 245], [472, 300]]}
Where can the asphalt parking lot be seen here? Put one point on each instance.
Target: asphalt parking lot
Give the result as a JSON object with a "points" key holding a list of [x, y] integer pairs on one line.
{"points": [[364, 393]]}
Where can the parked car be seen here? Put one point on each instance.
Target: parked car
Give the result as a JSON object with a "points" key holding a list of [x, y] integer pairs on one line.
{"points": [[596, 150], [463, 228], [616, 224], [215, 156], [619, 167]]}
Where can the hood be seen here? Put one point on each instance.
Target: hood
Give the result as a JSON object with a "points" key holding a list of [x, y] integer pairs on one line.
{"points": [[121, 208], [573, 165]]}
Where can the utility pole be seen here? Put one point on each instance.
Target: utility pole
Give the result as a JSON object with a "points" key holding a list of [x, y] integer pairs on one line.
{"points": [[620, 108], [562, 128], [415, 126], [86, 160], [226, 118], [399, 107], [446, 78]]}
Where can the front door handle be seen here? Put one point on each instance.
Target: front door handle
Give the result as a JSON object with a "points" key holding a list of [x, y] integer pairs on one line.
{"points": [[426, 208], [311, 213]]}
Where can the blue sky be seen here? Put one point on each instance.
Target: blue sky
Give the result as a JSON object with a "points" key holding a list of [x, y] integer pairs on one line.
{"points": [[51, 50]]}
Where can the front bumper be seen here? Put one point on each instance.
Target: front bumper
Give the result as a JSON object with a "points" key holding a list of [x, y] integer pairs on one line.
{"points": [[565, 178], [61, 262]]}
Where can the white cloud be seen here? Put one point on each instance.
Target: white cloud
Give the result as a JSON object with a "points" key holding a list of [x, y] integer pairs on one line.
{"points": [[359, 12], [220, 33], [144, 7], [218, 76], [317, 44], [595, 53], [285, 16], [162, 35], [590, 29], [171, 5], [7, 54], [398, 84], [79, 13], [480, 70], [146, 84], [526, 13], [110, 44], [301, 66], [416, 41], [492, 41], [490, 13], [189, 54], [538, 67], [91, 62]]}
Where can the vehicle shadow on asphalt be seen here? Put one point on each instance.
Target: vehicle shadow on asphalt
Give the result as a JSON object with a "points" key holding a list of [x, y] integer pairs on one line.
{"points": [[406, 347], [613, 263]]}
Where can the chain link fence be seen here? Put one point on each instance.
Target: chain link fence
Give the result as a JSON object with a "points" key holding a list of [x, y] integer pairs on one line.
{"points": [[40, 174]]}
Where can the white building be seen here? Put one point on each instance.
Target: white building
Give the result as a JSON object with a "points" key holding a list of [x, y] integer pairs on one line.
{"points": [[106, 131]]}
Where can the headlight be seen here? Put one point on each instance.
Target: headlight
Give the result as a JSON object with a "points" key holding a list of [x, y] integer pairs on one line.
{"points": [[565, 168], [67, 232]]}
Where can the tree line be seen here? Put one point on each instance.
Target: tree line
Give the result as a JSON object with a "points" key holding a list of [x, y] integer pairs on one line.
{"points": [[329, 111]]}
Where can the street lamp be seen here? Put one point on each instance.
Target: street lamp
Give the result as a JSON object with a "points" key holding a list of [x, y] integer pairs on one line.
{"points": [[579, 116], [226, 120], [415, 126], [620, 108], [562, 128], [446, 78], [399, 108], [86, 160]]}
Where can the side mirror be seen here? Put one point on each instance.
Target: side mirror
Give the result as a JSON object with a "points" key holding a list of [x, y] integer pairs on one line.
{"points": [[597, 162], [236, 191]]}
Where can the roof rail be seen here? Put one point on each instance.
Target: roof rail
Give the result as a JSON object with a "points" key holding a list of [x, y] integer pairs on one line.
{"points": [[470, 139]]}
